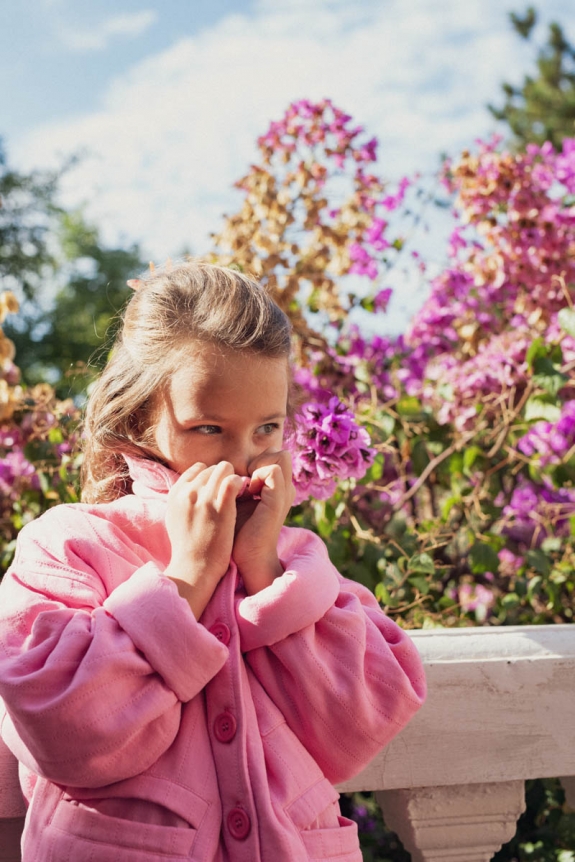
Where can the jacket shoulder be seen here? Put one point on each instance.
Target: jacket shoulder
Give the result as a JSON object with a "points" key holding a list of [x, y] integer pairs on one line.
{"points": [[85, 537]]}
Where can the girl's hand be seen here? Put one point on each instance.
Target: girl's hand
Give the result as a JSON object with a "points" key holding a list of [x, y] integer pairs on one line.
{"points": [[200, 521], [259, 521]]}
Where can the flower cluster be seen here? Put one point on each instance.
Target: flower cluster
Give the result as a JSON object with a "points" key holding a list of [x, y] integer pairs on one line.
{"points": [[327, 445], [551, 442], [36, 437], [314, 211], [492, 379], [536, 511], [15, 467], [475, 598], [512, 261], [515, 205]]}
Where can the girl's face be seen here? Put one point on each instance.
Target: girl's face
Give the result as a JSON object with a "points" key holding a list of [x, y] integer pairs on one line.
{"points": [[221, 405]]}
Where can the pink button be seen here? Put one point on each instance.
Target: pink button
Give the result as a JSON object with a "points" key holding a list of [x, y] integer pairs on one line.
{"points": [[222, 632], [239, 824], [225, 727]]}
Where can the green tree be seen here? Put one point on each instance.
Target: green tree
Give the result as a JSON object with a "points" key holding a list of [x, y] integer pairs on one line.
{"points": [[69, 284], [542, 108], [28, 213], [65, 342]]}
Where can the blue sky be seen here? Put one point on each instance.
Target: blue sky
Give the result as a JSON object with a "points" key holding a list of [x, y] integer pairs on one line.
{"points": [[164, 99], [57, 57]]}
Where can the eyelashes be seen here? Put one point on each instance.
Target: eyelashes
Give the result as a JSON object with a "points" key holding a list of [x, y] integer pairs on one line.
{"points": [[208, 430], [211, 430]]}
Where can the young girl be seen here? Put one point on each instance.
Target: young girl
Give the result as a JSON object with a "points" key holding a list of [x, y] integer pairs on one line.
{"points": [[184, 677]]}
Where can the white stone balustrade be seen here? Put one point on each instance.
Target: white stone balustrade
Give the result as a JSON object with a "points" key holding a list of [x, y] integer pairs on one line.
{"points": [[500, 710]]}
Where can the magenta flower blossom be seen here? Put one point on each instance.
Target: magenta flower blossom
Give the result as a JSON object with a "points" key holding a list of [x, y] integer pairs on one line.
{"points": [[565, 165], [392, 202], [477, 598], [13, 467], [362, 261], [327, 445], [374, 234], [551, 441], [509, 563], [381, 299], [536, 511], [10, 436]]}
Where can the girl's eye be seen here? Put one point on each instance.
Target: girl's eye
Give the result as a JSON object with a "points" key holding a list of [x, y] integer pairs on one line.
{"points": [[206, 429], [268, 428]]}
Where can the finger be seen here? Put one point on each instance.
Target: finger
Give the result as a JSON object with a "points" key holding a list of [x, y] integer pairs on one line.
{"points": [[192, 472], [268, 456], [270, 478], [282, 463], [281, 457], [219, 472], [229, 490]]}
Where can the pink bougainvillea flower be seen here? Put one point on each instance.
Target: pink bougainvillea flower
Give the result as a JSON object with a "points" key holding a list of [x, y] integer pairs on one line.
{"points": [[327, 445]]}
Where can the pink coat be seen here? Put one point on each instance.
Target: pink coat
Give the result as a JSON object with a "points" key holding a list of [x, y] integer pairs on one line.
{"points": [[146, 735]]}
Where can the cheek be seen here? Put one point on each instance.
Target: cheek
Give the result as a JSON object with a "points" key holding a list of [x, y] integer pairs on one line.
{"points": [[207, 449]]}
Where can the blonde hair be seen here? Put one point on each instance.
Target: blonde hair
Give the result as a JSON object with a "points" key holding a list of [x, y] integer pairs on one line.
{"points": [[193, 301]]}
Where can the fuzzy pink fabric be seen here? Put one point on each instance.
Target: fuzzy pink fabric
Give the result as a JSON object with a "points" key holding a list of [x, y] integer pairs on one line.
{"points": [[144, 734]]}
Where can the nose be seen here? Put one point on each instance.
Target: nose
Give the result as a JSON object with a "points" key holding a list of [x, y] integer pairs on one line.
{"points": [[240, 455]]}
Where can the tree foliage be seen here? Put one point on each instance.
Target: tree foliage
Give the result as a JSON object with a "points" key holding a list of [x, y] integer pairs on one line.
{"points": [[65, 339], [28, 214], [70, 286], [542, 108]]}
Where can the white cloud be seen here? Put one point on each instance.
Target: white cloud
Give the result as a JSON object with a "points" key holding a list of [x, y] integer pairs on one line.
{"points": [[99, 37], [173, 134]]}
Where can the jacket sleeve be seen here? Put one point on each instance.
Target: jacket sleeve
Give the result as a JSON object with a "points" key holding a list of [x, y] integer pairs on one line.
{"points": [[93, 677], [346, 678]]}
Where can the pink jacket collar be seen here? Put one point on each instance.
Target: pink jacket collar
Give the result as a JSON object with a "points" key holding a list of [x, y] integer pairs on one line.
{"points": [[150, 479]]}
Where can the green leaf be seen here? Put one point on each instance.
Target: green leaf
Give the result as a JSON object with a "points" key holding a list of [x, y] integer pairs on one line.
{"points": [[448, 505], [43, 480], [536, 349], [547, 376], [455, 463], [55, 435], [408, 406], [557, 577], [537, 408], [566, 319], [470, 456], [387, 423], [421, 563], [511, 600], [383, 595], [446, 602], [419, 457], [539, 561], [533, 586], [483, 558], [551, 543], [420, 583]]}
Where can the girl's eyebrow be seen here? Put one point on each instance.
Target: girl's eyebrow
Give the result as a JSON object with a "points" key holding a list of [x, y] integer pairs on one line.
{"points": [[215, 419], [275, 416]]}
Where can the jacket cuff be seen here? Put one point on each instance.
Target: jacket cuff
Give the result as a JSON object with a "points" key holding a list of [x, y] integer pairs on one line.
{"points": [[162, 626], [300, 597]]}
